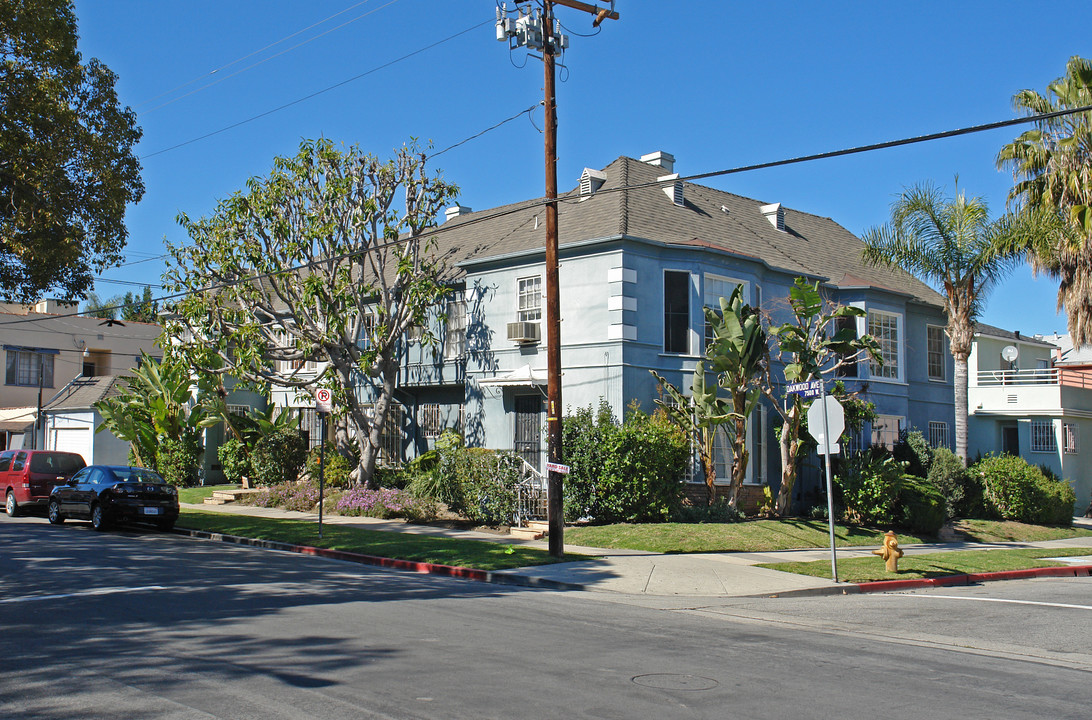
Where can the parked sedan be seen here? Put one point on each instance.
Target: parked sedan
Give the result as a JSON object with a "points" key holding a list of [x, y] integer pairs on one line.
{"points": [[108, 494]]}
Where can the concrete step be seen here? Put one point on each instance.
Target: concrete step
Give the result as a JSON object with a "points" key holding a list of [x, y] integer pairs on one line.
{"points": [[218, 501], [540, 525], [526, 533]]}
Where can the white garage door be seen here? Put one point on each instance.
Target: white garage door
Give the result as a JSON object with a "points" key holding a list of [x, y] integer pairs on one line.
{"points": [[77, 440]]}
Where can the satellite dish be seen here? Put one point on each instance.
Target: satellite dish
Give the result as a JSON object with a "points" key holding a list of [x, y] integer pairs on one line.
{"points": [[1010, 353]]}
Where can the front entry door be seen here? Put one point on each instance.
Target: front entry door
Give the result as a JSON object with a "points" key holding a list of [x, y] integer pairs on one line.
{"points": [[1010, 440], [528, 429]]}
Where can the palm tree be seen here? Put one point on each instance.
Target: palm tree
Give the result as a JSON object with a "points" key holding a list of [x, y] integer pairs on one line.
{"points": [[952, 243], [1052, 167]]}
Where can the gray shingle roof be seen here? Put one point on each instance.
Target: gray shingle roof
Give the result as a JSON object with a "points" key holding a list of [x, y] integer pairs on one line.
{"points": [[82, 393], [630, 204]]}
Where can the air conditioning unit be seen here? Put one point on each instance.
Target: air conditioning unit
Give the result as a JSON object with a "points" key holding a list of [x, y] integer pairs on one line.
{"points": [[524, 332]]}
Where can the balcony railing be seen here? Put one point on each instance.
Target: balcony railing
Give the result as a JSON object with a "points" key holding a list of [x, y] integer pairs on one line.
{"points": [[1044, 376]]}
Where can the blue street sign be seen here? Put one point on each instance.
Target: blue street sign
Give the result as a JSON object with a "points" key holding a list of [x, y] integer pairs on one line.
{"points": [[805, 390]]}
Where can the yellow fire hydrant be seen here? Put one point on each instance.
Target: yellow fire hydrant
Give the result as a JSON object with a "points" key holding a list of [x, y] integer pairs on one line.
{"points": [[890, 551]]}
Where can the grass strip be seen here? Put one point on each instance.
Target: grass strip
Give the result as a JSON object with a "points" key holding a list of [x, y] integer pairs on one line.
{"points": [[932, 565], [197, 495], [746, 536], [477, 554], [1009, 531]]}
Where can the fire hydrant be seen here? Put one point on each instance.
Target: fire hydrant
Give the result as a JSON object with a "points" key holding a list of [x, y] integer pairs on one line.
{"points": [[890, 551]]}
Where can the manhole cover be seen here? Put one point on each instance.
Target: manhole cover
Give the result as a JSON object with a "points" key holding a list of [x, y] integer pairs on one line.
{"points": [[673, 681]]}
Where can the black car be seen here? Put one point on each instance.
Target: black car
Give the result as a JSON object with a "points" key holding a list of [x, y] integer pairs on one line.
{"points": [[107, 494]]}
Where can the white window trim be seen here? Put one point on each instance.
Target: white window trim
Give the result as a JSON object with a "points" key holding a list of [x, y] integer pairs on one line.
{"points": [[691, 333], [900, 423], [900, 350], [541, 298], [453, 350], [943, 360], [1071, 431]]}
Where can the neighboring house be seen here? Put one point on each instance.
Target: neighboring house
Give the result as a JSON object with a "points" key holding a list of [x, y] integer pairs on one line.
{"points": [[45, 346], [1025, 399], [70, 419], [641, 255]]}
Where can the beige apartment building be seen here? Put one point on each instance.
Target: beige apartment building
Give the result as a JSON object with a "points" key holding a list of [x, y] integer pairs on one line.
{"points": [[46, 347]]}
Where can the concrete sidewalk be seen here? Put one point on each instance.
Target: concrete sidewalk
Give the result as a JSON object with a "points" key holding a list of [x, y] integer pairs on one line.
{"points": [[729, 574]]}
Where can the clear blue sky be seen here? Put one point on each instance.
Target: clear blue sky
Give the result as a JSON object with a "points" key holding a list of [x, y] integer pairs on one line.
{"points": [[718, 84]]}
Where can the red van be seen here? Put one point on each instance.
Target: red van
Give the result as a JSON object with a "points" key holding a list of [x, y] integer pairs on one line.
{"points": [[28, 476]]}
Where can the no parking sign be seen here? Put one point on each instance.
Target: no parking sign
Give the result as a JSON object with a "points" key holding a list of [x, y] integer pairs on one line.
{"points": [[322, 400]]}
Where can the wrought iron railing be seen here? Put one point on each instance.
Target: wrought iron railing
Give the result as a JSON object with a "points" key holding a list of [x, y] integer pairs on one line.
{"points": [[531, 495]]}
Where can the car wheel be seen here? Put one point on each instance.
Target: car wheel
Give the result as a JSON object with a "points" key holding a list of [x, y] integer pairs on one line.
{"points": [[11, 506], [165, 525], [54, 513], [98, 517]]}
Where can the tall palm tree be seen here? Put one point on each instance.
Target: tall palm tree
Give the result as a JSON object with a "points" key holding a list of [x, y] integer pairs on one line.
{"points": [[952, 243], [1052, 167]]}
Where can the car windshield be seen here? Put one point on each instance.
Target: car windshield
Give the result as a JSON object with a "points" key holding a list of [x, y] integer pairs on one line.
{"points": [[136, 474], [59, 463]]}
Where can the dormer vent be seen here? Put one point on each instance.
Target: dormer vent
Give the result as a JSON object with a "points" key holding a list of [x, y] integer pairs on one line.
{"points": [[674, 190], [455, 211], [775, 214], [660, 159], [590, 181]]}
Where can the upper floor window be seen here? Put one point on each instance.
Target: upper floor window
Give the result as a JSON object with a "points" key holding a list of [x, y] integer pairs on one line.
{"points": [[934, 336], [846, 367], [1042, 436], [530, 299], [676, 311], [455, 330], [28, 367], [884, 327], [717, 287]]}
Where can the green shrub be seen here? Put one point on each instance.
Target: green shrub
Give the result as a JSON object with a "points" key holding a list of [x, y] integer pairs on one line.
{"points": [[1016, 490], [234, 460], [177, 460], [922, 505], [338, 468], [870, 486], [480, 484], [719, 512], [278, 457], [962, 495], [914, 450], [623, 473]]}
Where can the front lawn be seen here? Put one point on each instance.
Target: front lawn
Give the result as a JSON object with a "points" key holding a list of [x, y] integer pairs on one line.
{"points": [[401, 546], [931, 565], [1009, 531], [746, 536], [197, 495]]}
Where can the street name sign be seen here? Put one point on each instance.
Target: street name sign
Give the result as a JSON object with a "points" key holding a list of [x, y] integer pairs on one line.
{"points": [[810, 389]]}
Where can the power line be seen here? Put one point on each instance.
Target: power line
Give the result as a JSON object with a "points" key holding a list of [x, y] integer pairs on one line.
{"points": [[260, 50], [542, 202], [265, 60], [318, 92]]}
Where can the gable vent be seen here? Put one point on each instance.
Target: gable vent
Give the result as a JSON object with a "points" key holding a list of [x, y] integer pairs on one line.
{"points": [[590, 181], [674, 190], [775, 214]]}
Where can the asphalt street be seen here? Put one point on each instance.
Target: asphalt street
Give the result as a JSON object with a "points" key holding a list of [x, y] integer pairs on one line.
{"points": [[139, 624]]}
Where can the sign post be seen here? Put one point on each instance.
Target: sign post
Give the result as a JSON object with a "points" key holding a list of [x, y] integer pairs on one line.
{"points": [[826, 411], [323, 407]]}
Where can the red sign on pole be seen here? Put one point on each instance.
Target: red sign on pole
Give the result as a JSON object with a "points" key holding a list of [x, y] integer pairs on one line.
{"points": [[322, 400]]}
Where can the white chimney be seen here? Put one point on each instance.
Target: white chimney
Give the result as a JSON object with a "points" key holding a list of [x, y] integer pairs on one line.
{"points": [[455, 211], [775, 214], [660, 159]]}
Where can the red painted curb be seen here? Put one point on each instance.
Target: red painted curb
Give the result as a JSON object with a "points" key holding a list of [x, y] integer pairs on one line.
{"points": [[411, 565], [967, 579]]}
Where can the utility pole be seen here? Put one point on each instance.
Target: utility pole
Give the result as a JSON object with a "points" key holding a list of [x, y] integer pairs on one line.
{"points": [[536, 31]]}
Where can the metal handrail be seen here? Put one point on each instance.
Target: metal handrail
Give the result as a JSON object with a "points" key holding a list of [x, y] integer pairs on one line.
{"points": [[531, 494]]}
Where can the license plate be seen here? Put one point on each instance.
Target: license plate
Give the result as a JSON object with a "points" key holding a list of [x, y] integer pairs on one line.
{"points": [[151, 511]]}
